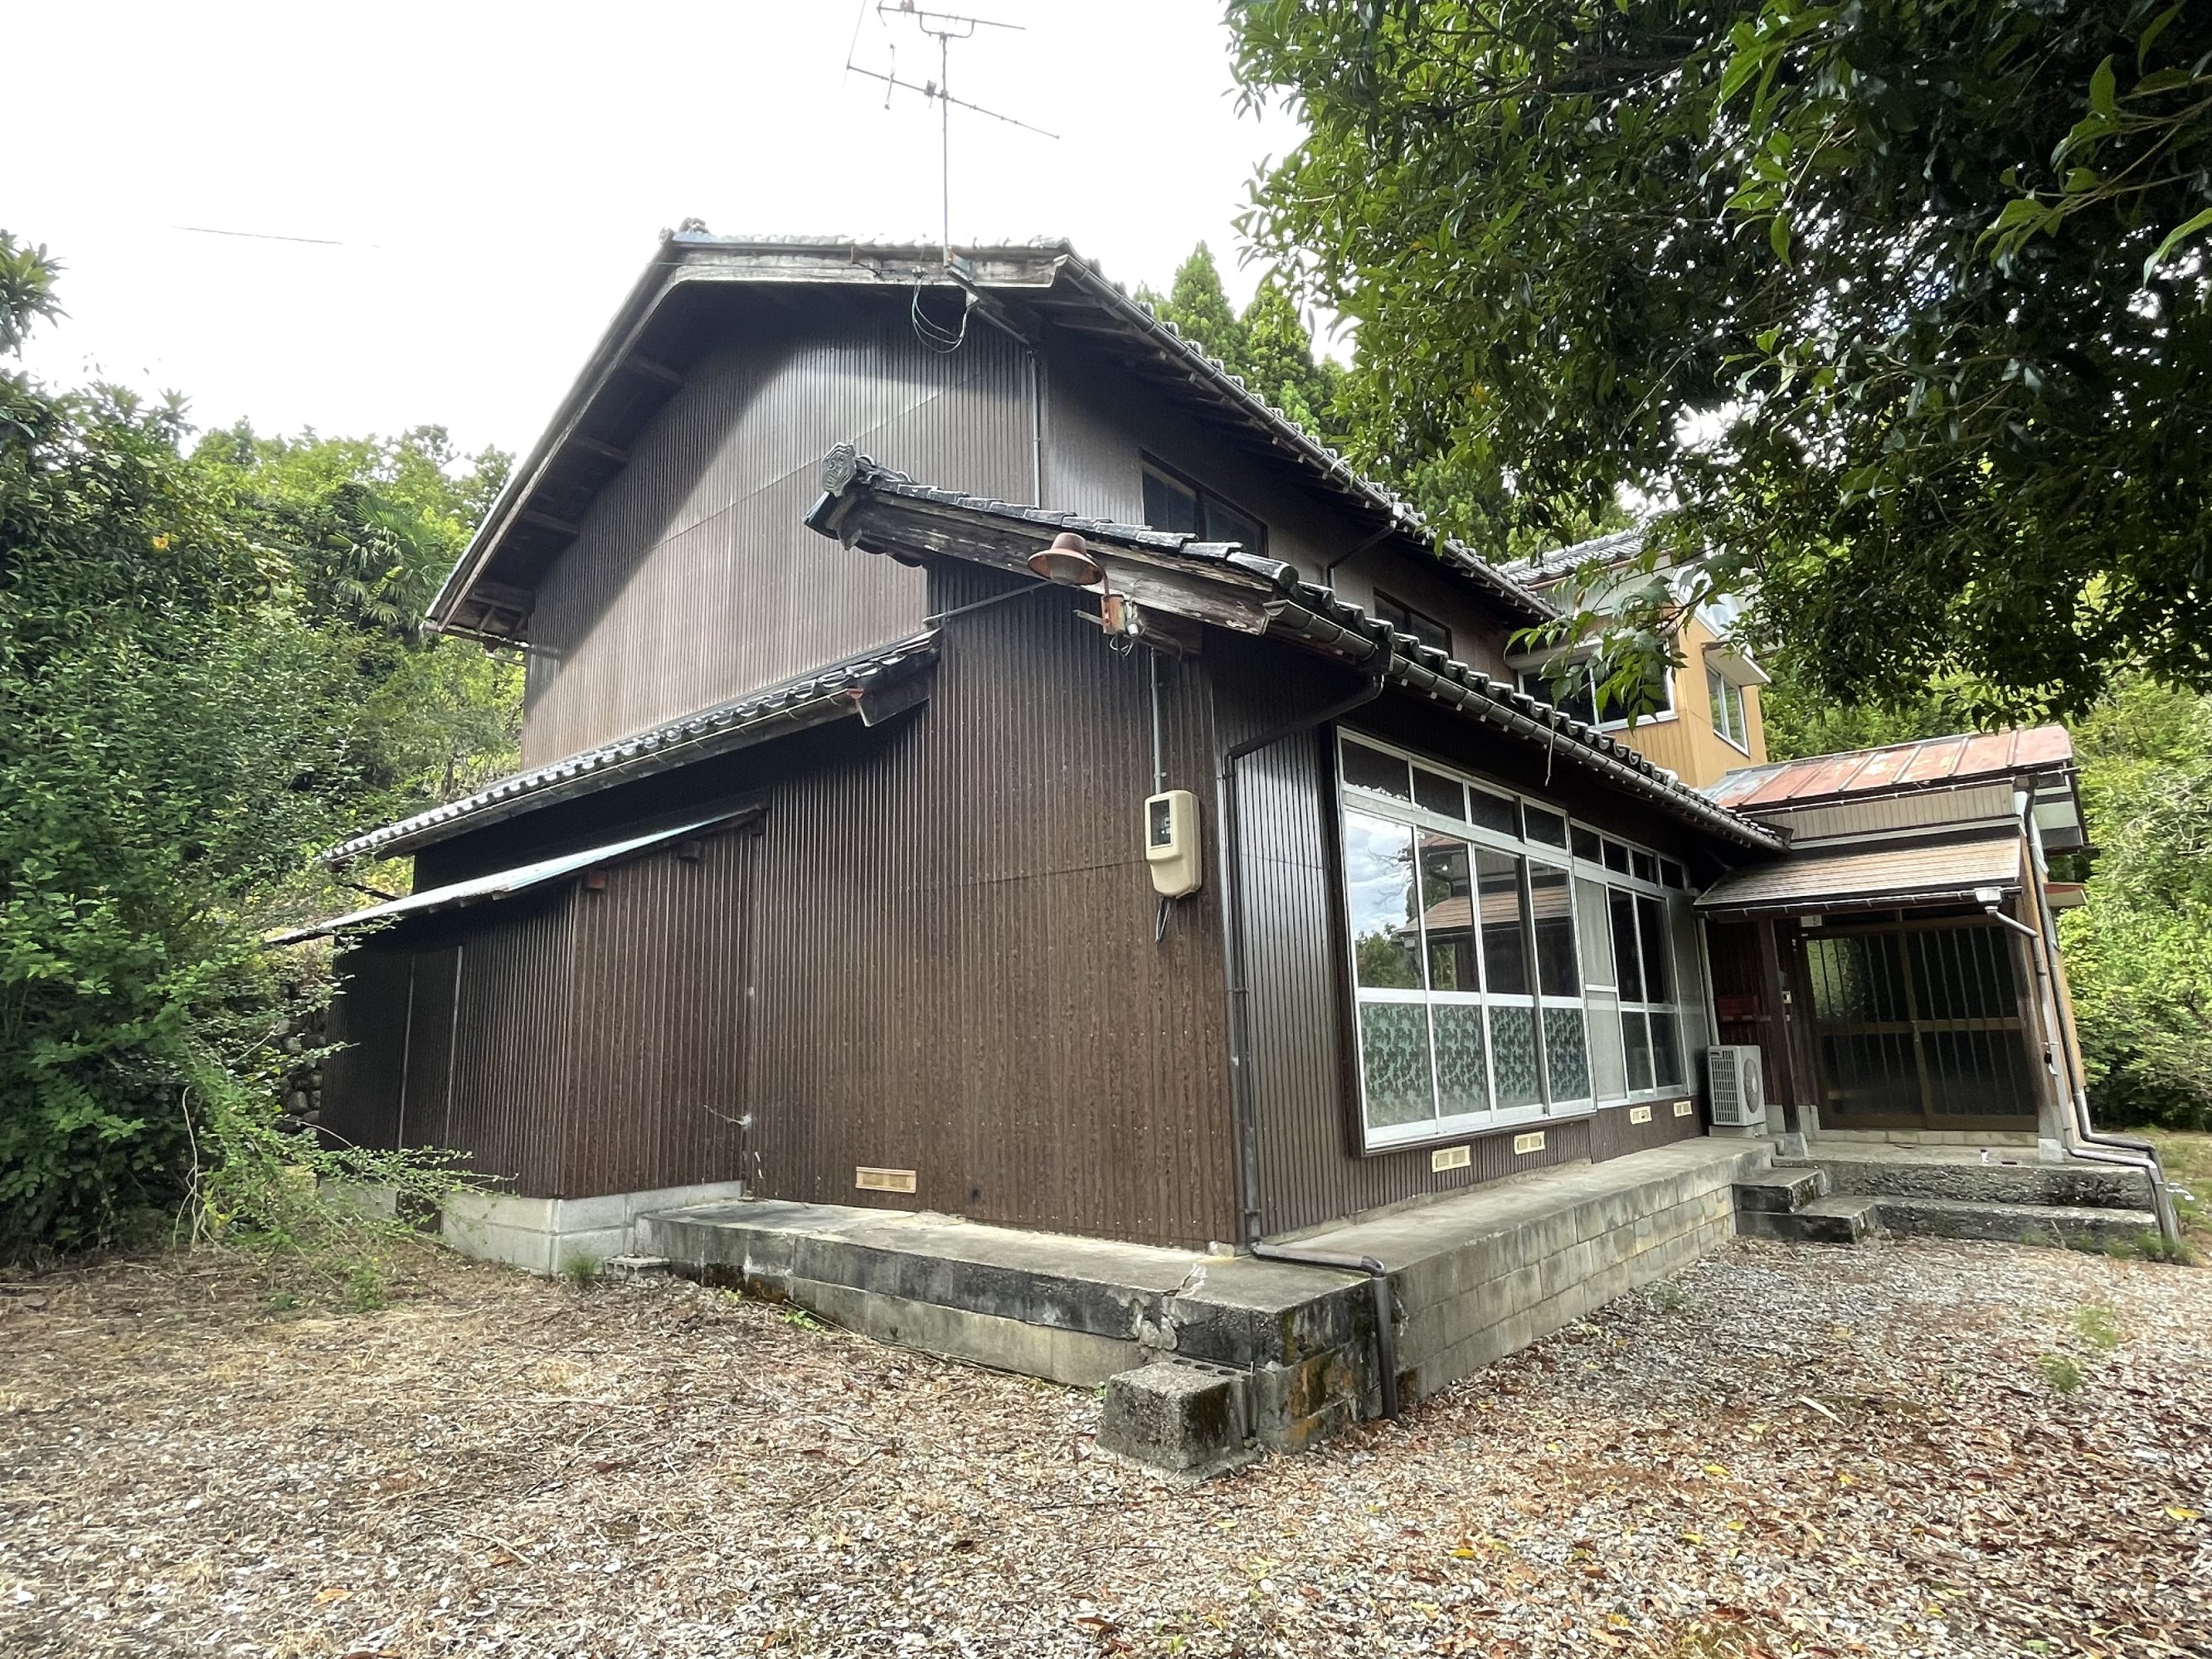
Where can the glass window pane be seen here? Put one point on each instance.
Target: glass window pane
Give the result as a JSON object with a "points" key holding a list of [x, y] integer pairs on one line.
{"points": [[1609, 1065], [1448, 914], [1505, 927], [1394, 1063], [1636, 1041], [1658, 981], [1586, 844], [1627, 973], [1597, 932], [1221, 524], [1168, 506], [1438, 794], [1370, 768], [1670, 874], [1492, 812], [1646, 867], [1379, 881], [1545, 826], [1616, 857], [1463, 1079], [1513, 1057], [1566, 1055], [1558, 974], [1665, 1052]]}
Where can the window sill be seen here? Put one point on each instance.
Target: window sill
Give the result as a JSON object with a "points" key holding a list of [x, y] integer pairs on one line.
{"points": [[1517, 1121]]}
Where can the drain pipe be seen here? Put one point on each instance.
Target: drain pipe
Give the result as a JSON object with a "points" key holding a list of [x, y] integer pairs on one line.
{"points": [[1241, 1111], [1378, 1276], [2094, 1145]]}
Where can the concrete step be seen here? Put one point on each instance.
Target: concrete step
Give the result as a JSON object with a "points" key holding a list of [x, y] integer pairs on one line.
{"points": [[1782, 1190], [2071, 1226], [2070, 1186], [1843, 1220]]}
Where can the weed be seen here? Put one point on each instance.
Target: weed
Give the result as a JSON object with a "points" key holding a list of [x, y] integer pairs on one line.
{"points": [[1671, 1297], [581, 1272], [800, 1317], [279, 1302], [2098, 1328], [365, 1289], [2060, 1373]]}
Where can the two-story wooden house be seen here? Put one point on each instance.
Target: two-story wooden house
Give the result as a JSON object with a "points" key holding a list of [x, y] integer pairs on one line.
{"points": [[1208, 881]]}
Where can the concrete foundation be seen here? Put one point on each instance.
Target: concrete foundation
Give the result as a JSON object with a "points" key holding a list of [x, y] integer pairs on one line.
{"points": [[1287, 1353], [546, 1234]]}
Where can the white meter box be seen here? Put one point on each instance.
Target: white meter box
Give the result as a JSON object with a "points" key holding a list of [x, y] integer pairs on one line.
{"points": [[1171, 849]]}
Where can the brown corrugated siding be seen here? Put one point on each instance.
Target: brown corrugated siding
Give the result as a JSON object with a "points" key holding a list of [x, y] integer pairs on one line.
{"points": [[509, 1083], [656, 1038], [956, 970], [367, 1027], [1311, 1171], [1612, 1134], [693, 581]]}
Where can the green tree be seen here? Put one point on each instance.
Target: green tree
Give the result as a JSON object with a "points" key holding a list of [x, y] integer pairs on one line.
{"points": [[209, 668], [1900, 306], [1268, 345], [2139, 950]]}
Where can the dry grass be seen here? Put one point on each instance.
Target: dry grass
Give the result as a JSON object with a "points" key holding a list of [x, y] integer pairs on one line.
{"points": [[1789, 1451]]}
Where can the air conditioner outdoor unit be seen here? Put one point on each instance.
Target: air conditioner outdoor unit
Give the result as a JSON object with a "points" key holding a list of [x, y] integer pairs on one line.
{"points": [[1739, 1086]]}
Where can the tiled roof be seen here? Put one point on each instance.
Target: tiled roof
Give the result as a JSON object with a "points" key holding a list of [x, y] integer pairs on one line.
{"points": [[1297, 610], [826, 693], [1896, 769], [1553, 563], [1953, 870]]}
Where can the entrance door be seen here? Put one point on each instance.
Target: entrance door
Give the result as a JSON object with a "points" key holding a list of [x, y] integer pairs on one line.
{"points": [[1919, 1026]]}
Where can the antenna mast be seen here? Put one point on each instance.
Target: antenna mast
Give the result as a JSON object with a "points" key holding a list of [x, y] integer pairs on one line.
{"points": [[945, 27]]}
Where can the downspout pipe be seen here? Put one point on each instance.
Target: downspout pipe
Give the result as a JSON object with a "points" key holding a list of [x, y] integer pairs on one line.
{"points": [[1378, 1276], [1376, 666], [2092, 1144]]}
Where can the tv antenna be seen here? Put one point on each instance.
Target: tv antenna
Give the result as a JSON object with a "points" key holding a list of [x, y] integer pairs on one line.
{"points": [[944, 28]]}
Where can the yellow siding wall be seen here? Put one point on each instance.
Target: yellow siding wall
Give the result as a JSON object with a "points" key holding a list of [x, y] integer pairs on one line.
{"points": [[1687, 744]]}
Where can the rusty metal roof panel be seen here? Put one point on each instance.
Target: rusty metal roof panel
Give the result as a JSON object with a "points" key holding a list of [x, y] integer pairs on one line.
{"points": [[1929, 763], [867, 686], [1930, 872]]}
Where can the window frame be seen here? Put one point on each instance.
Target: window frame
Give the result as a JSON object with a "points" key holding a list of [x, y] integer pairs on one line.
{"points": [[1200, 494], [1683, 1005], [1724, 694], [1415, 619], [1532, 682]]}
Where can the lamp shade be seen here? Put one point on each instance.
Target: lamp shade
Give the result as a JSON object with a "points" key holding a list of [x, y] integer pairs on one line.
{"points": [[1068, 561]]}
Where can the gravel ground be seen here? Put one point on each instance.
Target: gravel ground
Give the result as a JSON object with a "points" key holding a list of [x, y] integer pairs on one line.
{"points": [[1785, 1450]]}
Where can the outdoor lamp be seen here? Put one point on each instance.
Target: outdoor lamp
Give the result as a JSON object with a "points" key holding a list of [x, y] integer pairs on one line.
{"points": [[1068, 562]]}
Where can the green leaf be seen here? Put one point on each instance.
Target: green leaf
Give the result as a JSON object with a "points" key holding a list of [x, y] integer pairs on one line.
{"points": [[1778, 236], [2174, 237], [2104, 90]]}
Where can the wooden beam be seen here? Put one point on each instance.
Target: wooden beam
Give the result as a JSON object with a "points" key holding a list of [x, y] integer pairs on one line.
{"points": [[593, 447], [652, 368], [548, 521]]}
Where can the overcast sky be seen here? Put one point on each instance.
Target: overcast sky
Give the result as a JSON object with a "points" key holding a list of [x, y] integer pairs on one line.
{"points": [[484, 180]]}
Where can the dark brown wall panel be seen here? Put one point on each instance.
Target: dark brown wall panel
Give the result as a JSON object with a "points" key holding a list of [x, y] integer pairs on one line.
{"points": [[657, 1037], [367, 1027], [511, 1020], [1612, 1134], [693, 581], [955, 969]]}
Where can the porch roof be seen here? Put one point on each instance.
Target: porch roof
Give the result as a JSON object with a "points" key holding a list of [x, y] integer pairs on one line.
{"points": [[875, 686], [1948, 871], [503, 883], [883, 511]]}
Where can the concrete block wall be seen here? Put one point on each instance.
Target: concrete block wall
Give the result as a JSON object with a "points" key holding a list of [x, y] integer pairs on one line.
{"points": [[543, 1235]]}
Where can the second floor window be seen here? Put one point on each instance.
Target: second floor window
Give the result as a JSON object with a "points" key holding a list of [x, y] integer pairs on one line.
{"points": [[1577, 696], [1406, 620], [1727, 697], [1172, 504]]}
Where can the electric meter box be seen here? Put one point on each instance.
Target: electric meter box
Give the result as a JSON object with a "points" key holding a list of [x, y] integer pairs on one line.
{"points": [[1171, 843]]}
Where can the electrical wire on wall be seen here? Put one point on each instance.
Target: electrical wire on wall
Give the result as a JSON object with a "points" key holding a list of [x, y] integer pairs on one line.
{"points": [[934, 334]]}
